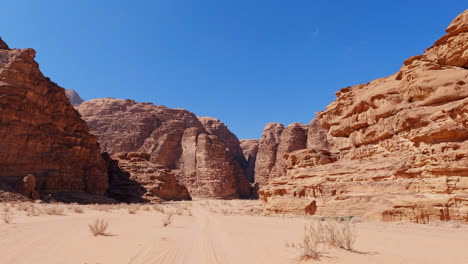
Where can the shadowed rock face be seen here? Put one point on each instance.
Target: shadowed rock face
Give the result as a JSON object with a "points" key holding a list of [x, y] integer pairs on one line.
{"points": [[395, 148], [42, 134], [250, 150], [199, 154], [276, 141], [73, 96], [133, 178]]}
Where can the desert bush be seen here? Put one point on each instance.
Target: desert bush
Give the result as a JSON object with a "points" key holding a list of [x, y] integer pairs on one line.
{"points": [[54, 210], [98, 227], [339, 233], [6, 217], [33, 211], [314, 237], [6, 208], [167, 219], [78, 209], [179, 211], [455, 224], [158, 208]]}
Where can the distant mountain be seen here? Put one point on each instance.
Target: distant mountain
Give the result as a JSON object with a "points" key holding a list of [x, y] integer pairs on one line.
{"points": [[74, 97]]}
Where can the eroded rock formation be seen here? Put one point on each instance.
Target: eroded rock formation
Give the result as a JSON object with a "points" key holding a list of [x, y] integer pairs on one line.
{"points": [[395, 148], [42, 134], [202, 154], [275, 142], [134, 179], [250, 150]]}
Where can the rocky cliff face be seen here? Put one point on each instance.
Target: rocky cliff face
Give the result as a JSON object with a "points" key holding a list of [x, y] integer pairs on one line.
{"points": [[132, 178], [395, 148], [275, 142], [41, 133], [202, 154], [250, 150], [73, 96]]}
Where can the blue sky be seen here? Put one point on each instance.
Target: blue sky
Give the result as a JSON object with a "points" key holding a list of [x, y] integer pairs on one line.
{"points": [[244, 62]]}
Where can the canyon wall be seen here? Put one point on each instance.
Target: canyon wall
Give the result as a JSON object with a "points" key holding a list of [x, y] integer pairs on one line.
{"points": [[202, 153], [395, 148], [42, 134]]}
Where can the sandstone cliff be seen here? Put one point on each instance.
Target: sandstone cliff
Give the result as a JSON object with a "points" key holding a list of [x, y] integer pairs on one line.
{"points": [[275, 142], [395, 148], [202, 154], [42, 134], [132, 178], [250, 150]]}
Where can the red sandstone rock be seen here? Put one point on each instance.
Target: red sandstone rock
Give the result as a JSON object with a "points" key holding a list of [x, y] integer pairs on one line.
{"points": [[41, 132], [275, 142], [175, 139], [3, 45], [250, 149], [134, 179], [27, 187], [396, 148]]}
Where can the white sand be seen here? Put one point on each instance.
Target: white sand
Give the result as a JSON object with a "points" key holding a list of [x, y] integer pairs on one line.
{"points": [[208, 237]]}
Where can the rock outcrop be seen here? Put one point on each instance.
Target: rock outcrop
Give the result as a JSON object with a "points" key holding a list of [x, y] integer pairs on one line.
{"points": [[42, 134], [73, 96], [250, 150], [203, 156], [276, 141], [395, 148], [27, 187], [132, 178]]}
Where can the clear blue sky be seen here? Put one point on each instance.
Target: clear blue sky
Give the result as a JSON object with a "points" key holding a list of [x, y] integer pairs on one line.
{"points": [[245, 62]]}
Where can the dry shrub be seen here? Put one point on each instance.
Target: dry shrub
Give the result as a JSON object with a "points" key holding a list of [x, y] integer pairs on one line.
{"points": [[6, 218], [6, 208], [98, 227], [455, 224], [167, 219], [158, 208], [33, 211], [332, 233], [314, 236], [78, 209], [179, 211], [341, 234], [146, 208], [55, 210]]}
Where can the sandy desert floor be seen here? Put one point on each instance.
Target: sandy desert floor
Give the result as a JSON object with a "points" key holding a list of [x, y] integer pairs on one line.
{"points": [[206, 232]]}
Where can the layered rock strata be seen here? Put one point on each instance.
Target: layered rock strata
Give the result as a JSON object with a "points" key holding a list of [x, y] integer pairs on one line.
{"points": [[395, 148], [275, 142], [202, 154], [133, 178], [42, 134]]}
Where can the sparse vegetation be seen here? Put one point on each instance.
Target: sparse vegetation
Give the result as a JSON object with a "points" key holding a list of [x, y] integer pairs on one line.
{"points": [[167, 219], [55, 210], [158, 208], [78, 210], [99, 227], [333, 233], [7, 218]]}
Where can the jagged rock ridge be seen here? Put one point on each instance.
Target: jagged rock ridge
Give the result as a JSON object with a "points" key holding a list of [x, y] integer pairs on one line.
{"points": [[395, 148]]}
